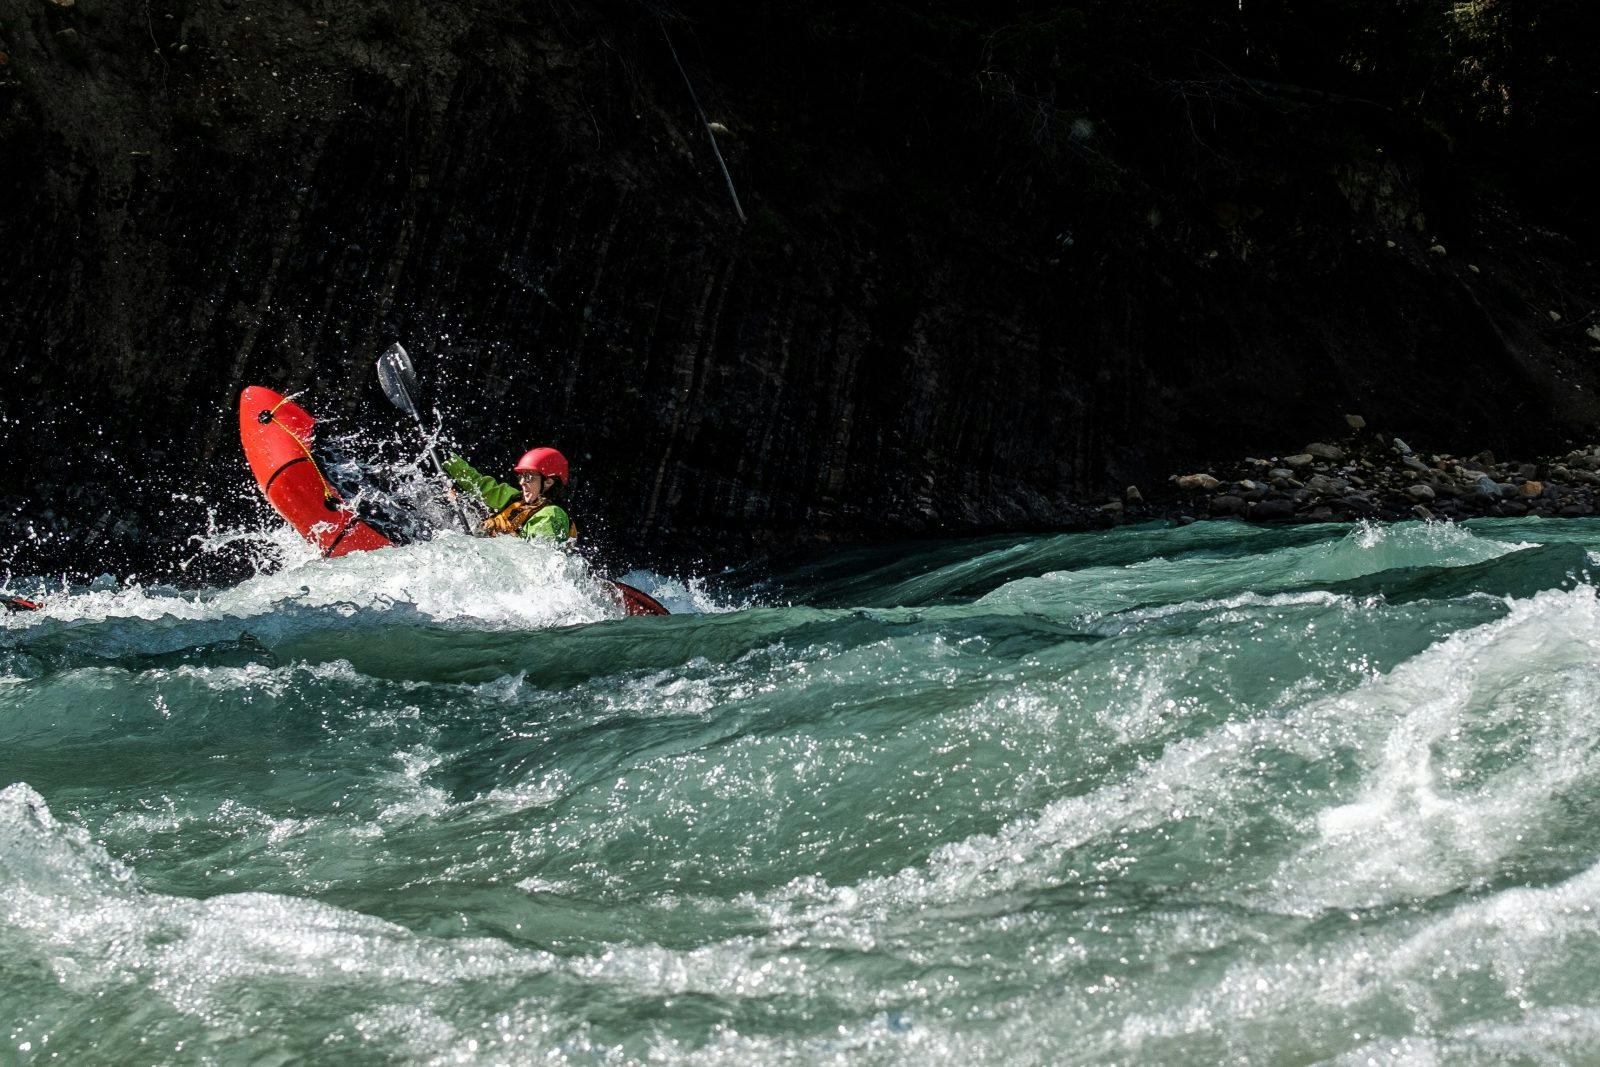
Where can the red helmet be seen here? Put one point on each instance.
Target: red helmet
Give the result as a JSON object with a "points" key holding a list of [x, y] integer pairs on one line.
{"points": [[545, 461]]}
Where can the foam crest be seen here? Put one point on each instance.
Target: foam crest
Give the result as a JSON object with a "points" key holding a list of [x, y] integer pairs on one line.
{"points": [[1523, 948], [491, 582], [86, 915], [1469, 752], [40, 858], [1366, 549]]}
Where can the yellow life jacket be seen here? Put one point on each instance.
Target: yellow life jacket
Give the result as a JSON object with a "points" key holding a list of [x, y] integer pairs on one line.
{"points": [[513, 517]]}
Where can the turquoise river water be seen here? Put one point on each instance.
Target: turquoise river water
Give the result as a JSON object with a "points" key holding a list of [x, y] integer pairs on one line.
{"points": [[1152, 795]]}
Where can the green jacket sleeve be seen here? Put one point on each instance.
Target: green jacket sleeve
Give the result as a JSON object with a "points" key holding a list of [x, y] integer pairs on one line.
{"points": [[549, 522], [495, 494]]}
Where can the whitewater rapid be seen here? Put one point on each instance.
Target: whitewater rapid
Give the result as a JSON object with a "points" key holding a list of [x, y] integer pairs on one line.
{"points": [[1151, 795]]}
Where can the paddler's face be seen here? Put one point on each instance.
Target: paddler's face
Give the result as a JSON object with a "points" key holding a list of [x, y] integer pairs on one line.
{"points": [[532, 484]]}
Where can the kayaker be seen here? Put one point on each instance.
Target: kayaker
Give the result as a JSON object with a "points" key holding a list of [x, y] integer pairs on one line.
{"points": [[535, 510]]}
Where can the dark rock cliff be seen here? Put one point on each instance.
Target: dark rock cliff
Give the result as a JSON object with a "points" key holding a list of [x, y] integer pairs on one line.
{"points": [[996, 263]]}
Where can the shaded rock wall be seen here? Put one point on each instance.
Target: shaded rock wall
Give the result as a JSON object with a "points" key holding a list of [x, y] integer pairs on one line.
{"points": [[936, 317]]}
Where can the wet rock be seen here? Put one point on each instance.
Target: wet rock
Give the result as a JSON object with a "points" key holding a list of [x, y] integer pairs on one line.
{"points": [[1421, 493], [1132, 495], [1325, 452], [1401, 447], [1280, 473], [1422, 513], [1513, 507], [1323, 485], [1322, 513], [1112, 508], [1531, 488], [1415, 464], [1298, 460], [1574, 511], [1272, 510], [1226, 504], [1197, 482], [1485, 486], [1528, 471]]}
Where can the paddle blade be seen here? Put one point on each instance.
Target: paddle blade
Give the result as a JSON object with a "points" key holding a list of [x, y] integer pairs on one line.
{"points": [[399, 379]]}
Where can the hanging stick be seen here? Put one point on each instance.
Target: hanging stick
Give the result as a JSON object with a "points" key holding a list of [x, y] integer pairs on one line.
{"points": [[715, 148]]}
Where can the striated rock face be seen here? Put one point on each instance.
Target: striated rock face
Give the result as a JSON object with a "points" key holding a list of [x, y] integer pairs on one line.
{"points": [[933, 319]]}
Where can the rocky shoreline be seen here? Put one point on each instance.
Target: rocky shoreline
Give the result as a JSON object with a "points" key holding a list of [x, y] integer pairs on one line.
{"points": [[1372, 475]]}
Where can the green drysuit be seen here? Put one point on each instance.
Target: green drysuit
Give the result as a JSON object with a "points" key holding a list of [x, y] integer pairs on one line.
{"points": [[550, 521]]}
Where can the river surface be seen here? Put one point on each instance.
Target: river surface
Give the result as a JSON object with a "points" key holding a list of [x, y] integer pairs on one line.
{"points": [[1152, 795]]}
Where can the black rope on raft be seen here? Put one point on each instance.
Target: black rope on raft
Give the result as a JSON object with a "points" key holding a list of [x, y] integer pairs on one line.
{"points": [[715, 148]]}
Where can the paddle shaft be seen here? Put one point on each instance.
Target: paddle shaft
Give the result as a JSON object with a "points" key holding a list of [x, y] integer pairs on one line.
{"points": [[400, 368], [460, 513]]}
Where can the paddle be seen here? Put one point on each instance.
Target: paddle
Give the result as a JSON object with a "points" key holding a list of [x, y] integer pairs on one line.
{"points": [[399, 380]]}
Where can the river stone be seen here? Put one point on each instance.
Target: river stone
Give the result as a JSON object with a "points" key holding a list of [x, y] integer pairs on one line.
{"points": [[1226, 504], [1355, 422], [1326, 452], [1132, 495], [1322, 513], [1422, 513], [1280, 472], [1531, 488], [1272, 510], [1298, 460], [1326, 486], [1202, 482], [1420, 492], [1401, 447], [1414, 463]]}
